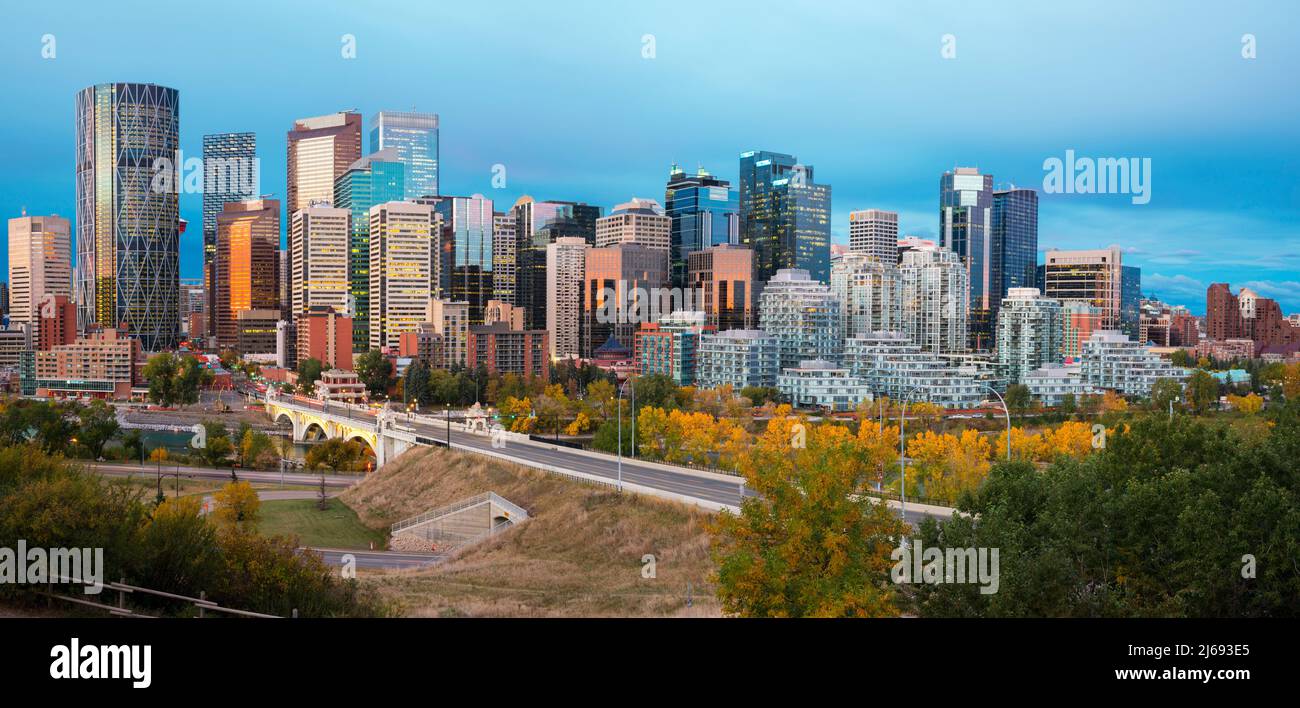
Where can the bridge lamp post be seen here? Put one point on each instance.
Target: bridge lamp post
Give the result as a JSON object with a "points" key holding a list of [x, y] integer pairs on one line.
{"points": [[630, 381], [1006, 410]]}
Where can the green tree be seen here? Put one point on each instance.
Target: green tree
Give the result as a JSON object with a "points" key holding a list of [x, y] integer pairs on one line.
{"points": [[336, 455], [1069, 405], [1165, 391], [1019, 398], [309, 371], [1183, 358], [1202, 391], [375, 371], [415, 384], [175, 379], [217, 445], [98, 426], [761, 395]]}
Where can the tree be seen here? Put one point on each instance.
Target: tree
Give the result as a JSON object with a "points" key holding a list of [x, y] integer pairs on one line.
{"points": [[375, 371], [1019, 398], [1069, 405], [237, 506], [336, 455], [1164, 392], [1249, 404], [257, 450], [175, 379], [133, 444], [1202, 391], [1181, 357], [809, 545], [229, 359], [1112, 402], [98, 426], [416, 384], [217, 445], [309, 371], [761, 395]]}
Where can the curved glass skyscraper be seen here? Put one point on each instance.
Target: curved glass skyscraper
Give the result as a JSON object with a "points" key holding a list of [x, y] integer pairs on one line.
{"points": [[128, 224]]}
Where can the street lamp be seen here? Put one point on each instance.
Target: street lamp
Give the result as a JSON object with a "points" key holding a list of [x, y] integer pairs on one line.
{"points": [[1008, 412], [902, 453], [1171, 407], [448, 426], [630, 381]]}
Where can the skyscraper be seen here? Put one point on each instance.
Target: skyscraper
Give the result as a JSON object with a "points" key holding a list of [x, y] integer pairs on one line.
{"points": [[373, 179], [505, 263], [1030, 332], [639, 221], [414, 138], [566, 266], [703, 213], [319, 255], [965, 225], [230, 174], [538, 224], [721, 282], [247, 268], [1130, 300], [616, 295], [935, 296], [875, 233], [467, 231], [1014, 240], [40, 267], [784, 215], [319, 150], [1093, 276], [128, 232], [401, 238]]}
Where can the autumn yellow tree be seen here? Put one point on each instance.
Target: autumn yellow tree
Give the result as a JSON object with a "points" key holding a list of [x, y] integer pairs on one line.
{"points": [[948, 464], [810, 545], [1291, 381], [1070, 439], [1112, 402], [237, 506], [1024, 445], [1249, 404]]}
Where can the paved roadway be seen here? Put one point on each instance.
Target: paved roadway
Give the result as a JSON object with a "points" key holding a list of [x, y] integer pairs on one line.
{"points": [[606, 466], [379, 559], [294, 478]]}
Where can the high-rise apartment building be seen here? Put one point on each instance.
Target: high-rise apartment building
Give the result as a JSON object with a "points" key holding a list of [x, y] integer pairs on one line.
{"points": [[804, 317], [1030, 332], [739, 358], [414, 139], [785, 216], [247, 266], [128, 231], [40, 267], [702, 209], [231, 173], [401, 238], [870, 292], [566, 267], [505, 262], [640, 221], [721, 283], [935, 294], [1246, 315], [874, 232], [1079, 320], [451, 323], [374, 179], [965, 228]]}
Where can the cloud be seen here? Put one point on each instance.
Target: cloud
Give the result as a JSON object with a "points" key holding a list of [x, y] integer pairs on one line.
{"points": [[1175, 289], [1286, 292]]}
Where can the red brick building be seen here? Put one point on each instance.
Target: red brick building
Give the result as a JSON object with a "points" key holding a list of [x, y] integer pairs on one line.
{"points": [[510, 351], [58, 323], [1246, 315]]}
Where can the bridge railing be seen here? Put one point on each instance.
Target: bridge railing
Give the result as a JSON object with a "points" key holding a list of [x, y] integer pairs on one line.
{"points": [[486, 497]]}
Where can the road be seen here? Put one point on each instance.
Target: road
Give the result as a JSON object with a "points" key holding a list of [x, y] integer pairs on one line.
{"points": [[379, 559], [294, 478], [684, 482]]}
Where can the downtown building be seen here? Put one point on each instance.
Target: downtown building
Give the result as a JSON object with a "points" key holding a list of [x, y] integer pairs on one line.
{"points": [[670, 346], [1111, 361], [640, 221], [720, 281], [619, 292], [1096, 277], [874, 233], [320, 240], [463, 265], [785, 216], [449, 322], [378, 178], [537, 225], [40, 270], [870, 292], [401, 237], [890, 364], [965, 228], [703, 213], [1030, 333], [804, 316], [1079, 320], [502, 350], [1247, 316], [103, 364], [231, 173], [821, 384], [412, 139], [566, 270], [934, 299], [246, 271], [1014, 238], [738, 358], [127, 220], [505, 261]]}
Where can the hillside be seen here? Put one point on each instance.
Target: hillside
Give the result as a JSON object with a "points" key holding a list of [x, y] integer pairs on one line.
{"points": [[579, 555]]}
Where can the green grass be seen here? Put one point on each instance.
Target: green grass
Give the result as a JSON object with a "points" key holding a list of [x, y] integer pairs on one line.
{"points": [[335, 527]]}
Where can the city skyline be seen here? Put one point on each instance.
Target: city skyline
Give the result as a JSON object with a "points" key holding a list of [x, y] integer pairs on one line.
{"points": [[1236, 226]]}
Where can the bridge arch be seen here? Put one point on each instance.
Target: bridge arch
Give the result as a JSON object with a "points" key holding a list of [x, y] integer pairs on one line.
{"points": [[314, 432]]}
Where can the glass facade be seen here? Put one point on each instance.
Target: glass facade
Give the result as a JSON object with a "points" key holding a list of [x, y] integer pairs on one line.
{"points": [[375, 179], [1015, 240], [784, 215], [537, 225], [467, 229], [414, 137], [703, 212], [965, 223], [128, 232], [230, 174]]}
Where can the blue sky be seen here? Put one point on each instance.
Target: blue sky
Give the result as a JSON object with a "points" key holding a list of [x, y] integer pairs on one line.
{"points": [[559, 93]]}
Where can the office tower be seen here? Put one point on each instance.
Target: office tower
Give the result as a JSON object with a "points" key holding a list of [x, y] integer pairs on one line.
{"points": [[617, 293], [738, 358], [320, 149], [401, 239], [870, 292], [785, 216], [721, 283], [374, 179], [40, 267], [247, 267], [128, 233], [1079, 320], [639, 221], [319, 255], [1030, 332], [934, 298], [566, 266], [874, 232], [465, 244], [4, 299], [702, 209], [965, 226], [538, 224], [194, 302], [505, 265], [1130, 299], [231, 173], [804, 316], [1094, 277], [414, 138], [450, 322], [1014, 240], [258, 331], [497, 311]]}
